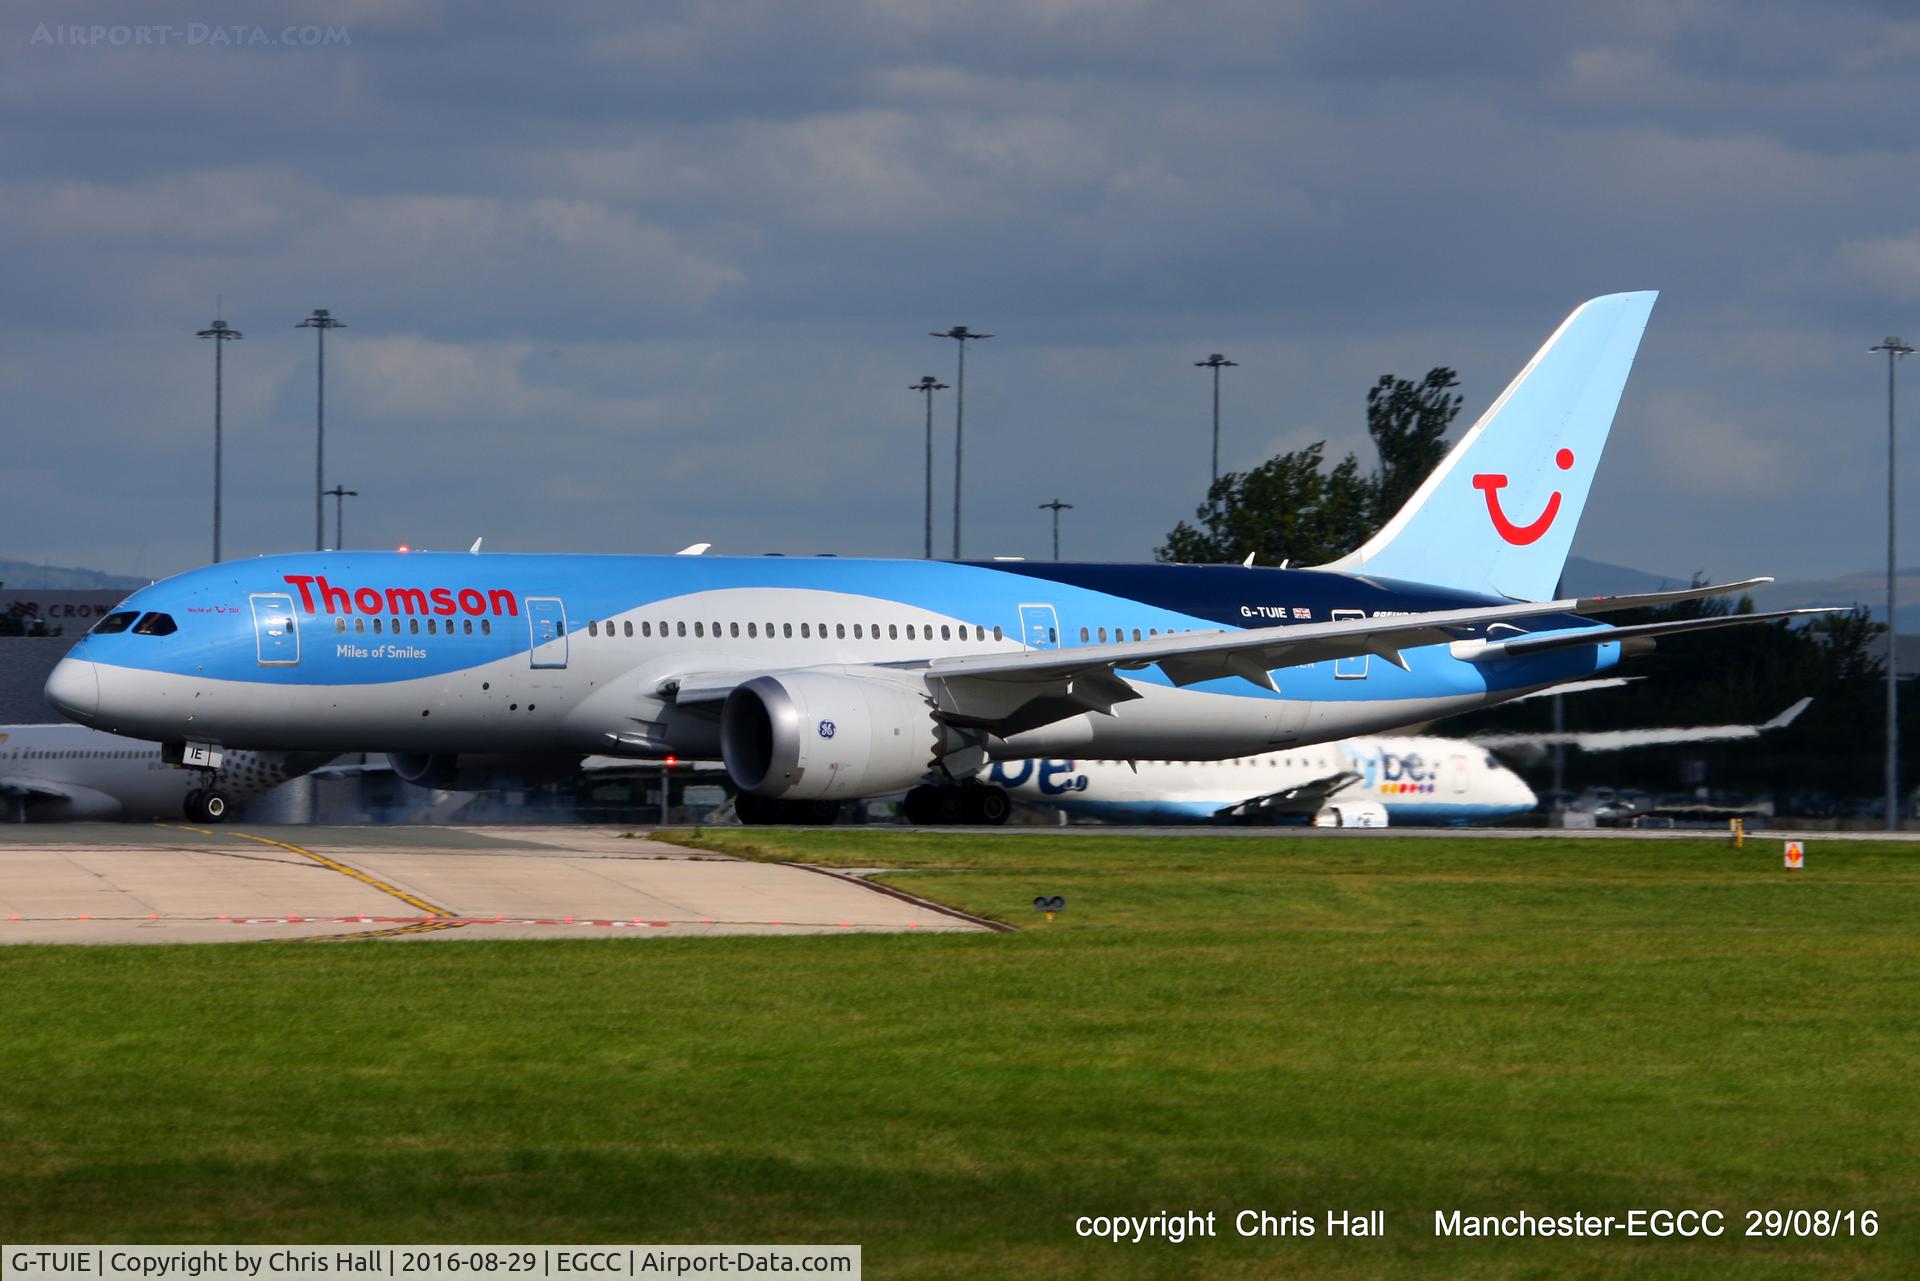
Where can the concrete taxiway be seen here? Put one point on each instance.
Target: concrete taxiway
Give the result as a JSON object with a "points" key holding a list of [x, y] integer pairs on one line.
{"points": [[114, 883]]}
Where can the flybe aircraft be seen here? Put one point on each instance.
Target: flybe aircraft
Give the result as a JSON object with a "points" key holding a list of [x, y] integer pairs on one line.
{"points": [[819, 679], [1357, 782]]}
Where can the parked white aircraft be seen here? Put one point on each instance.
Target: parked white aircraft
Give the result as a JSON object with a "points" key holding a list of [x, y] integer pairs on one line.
{"points": [[1357, 782], [63, 773]]}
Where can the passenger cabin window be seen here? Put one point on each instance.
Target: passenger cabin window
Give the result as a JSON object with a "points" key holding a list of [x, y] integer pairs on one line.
{"points": [[116, 622], [340, 625], [646, 628], [486, 627], [996, 631], [699, 630], [839, 631], [155, 625], [733, 629], [626, 628], [466, 626], [681, 628], [910, 631], [376, 627], [803, 631], [893, 631], [593, 627], [359, 624]]}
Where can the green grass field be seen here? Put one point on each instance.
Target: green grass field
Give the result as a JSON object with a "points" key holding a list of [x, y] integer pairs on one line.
{"points": [[1283, 1024]]}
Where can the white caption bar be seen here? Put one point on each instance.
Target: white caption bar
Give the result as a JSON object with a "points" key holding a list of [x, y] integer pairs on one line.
{"points": [[419, 1262]]}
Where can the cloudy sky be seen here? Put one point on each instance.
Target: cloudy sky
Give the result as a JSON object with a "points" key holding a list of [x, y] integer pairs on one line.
{"points": [[624, 277]]}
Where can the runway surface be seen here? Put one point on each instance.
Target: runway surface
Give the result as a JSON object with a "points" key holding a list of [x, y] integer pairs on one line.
{"points": [[174, 883]]}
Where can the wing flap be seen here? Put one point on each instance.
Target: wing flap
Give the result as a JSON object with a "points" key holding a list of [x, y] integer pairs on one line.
{"points": [[1301, 801]]}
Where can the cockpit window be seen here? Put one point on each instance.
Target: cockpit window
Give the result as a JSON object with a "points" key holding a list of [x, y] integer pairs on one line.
{"points": [[116, 622], [155, 625]]}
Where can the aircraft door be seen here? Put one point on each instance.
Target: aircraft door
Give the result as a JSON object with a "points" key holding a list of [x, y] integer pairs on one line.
{"points": [[1355, 668], [1457, 771], [1039, 627], [276, 636], [547, 620]]}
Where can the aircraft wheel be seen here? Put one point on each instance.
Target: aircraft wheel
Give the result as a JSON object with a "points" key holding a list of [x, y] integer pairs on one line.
{"points": [[190, 806], [949, 807], [987, 806], [753, 809], [918, 805], [213, 806], [817, 813]]}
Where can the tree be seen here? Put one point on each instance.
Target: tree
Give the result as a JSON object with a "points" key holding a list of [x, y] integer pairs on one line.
{"points": [[1288, 509], [1408, 422], [1284, 509]]}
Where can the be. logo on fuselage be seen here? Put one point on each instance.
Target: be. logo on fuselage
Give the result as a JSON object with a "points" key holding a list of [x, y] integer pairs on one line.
{"points": [[1491, 483]]}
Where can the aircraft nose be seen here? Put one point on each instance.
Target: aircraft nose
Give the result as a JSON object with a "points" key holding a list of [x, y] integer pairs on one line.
{"points": [[1522, 794], [74, 688]]}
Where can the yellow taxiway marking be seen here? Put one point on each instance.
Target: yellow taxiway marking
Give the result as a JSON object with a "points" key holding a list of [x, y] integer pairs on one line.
{"points": [[332, 864]]}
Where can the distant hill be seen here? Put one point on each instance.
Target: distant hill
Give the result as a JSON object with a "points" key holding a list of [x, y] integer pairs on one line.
{"points": [[1867, 588], [20, 574], [1585, 577]]}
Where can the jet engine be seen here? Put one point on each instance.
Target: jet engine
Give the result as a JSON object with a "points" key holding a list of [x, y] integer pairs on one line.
{"points": [[827, 736], [470, 772]]}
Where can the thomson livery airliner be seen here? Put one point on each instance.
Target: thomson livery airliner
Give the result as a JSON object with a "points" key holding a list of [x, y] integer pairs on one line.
{"points": [[819, 679]]}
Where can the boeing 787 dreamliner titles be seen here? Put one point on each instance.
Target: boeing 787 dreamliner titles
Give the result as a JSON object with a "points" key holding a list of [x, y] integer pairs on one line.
{"points": [[820, 679]]}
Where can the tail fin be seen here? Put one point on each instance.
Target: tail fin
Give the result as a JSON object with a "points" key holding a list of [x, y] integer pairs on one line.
{"points": [[1499, 512]]}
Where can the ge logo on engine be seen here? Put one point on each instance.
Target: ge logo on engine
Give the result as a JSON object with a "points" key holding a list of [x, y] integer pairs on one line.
{"points": [[826, 729]]}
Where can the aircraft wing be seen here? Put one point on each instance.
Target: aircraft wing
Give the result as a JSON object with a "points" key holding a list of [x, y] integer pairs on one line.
{"points": [[1009, 692], [1302, 801], [1478, 651], [1616, 740]]}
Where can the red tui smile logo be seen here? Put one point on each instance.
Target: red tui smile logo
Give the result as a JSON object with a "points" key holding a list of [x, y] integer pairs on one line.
{"points": [[1520, 535]]}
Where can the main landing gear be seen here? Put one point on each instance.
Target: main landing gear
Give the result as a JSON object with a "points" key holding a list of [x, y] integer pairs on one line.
{"points": [[761, 810], [206, 804], [966, 805]]}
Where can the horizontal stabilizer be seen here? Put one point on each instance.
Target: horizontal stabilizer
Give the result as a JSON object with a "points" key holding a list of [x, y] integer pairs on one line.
{"points": [[1578, 687]]}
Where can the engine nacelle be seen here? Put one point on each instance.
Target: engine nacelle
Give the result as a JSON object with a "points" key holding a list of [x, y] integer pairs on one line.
{"points": [[470, 772], [826, 736]]}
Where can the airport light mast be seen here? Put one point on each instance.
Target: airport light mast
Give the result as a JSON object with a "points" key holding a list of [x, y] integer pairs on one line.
{"points": [[960, 334], [1216, 362], [1894, 349], [1056, 507], [222, 334], [321, 320], [340, 494], [927, 386]]}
